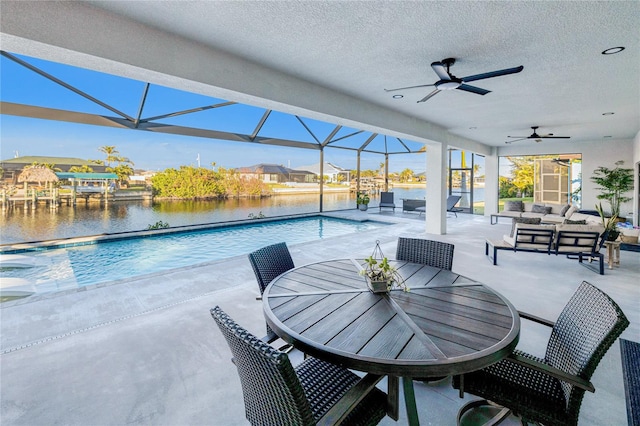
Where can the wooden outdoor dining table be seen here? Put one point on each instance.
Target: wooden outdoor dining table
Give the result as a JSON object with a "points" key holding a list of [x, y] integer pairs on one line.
{"points": [[445, 325]]}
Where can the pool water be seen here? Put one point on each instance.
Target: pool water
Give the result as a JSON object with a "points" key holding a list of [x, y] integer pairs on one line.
{"points": [[84, 265]]}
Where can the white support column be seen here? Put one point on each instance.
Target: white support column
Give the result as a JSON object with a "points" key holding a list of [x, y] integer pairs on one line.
{"points": [[491, 183], [436, 215]]}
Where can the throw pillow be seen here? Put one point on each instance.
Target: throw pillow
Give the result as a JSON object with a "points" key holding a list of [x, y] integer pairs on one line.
{"points": [[513, 206], [574, 222], [539, 208], [564, 209], [525, 220]]}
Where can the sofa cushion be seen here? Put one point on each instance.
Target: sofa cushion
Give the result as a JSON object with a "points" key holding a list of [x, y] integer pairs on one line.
{"points": [[570, 212], [539, 208], [571, 240], [555, 208], [564, 209], [541, 243], [527, 220], [553, 218], [530, 214], [510, 214], [513, 206], [590, 219]]}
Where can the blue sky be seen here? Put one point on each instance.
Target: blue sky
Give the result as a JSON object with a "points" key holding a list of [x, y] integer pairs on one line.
{"points": [[154, 151]]}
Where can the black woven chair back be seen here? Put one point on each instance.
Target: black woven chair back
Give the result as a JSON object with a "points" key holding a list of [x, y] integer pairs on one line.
{"points": [[272, 392], [386, 197], [427, 252], [583, 333], [269, 262]]}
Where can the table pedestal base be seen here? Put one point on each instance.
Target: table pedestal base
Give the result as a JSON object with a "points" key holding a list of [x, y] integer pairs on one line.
{"points": [[495, 420]]}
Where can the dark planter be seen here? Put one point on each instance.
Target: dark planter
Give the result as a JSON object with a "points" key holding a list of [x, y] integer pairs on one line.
{"points": [[613, 235]]}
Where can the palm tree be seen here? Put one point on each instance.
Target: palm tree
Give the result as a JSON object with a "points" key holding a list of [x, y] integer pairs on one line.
{"points": [[111, 152]]}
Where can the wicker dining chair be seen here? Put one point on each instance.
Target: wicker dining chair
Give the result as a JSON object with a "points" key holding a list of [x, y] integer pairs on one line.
{"points": [[549, 390], [427, 252], [314, 392], [267, 263]]}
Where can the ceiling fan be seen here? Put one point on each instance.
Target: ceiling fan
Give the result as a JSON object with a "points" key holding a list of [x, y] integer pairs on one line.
{"points": [[449, 81], [536, 136]]}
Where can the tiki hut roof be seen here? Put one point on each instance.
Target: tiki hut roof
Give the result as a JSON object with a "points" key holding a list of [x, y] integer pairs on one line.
{"points": [[37, 174]]}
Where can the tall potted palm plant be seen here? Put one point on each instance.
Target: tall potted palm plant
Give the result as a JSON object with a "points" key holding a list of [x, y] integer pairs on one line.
{"points": [[613, 184]]}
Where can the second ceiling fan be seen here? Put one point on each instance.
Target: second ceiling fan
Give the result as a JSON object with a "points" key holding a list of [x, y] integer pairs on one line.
{"points": [[536, 136], [449, 81]]}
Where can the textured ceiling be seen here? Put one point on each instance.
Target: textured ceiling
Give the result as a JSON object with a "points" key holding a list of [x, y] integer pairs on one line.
{"points": [[360, 48]]}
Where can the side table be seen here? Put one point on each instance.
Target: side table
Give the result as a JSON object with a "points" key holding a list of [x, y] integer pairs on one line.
{"points": [[613, 253]]}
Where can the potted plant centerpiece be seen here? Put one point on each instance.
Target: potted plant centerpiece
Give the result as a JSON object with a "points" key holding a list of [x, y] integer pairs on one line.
{"points": [[363, 201], [380, 275]]}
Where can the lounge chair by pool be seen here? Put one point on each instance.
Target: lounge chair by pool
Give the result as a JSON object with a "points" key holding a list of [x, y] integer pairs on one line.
{"points": [[16, 261], [10, 286]]}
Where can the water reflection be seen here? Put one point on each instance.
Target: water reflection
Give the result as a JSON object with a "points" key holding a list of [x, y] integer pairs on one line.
{"points": [[20, 225]]}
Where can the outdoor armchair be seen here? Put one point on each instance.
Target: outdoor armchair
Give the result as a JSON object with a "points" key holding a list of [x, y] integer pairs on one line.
{"points": [[314, 392], [267, 263], [549, 390], [452, 200], [427, 252], [386, 200]]}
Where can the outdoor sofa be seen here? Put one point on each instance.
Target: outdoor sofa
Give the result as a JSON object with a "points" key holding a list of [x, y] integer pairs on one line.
{"points": [[548, 212], [582, 242]]}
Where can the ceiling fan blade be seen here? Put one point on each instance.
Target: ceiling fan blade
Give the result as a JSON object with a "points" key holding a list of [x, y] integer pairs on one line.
{"points": [[439, 69], [430, 95], [516, 140], [473, 89], [555, 137], [492, 74], [408, 87]]}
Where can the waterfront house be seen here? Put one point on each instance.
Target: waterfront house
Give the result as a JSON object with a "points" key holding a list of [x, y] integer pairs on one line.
{"points": [[336, 174], [274, 173], [12, 167]]}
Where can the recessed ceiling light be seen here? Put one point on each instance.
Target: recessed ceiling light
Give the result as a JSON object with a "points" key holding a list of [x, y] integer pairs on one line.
{"points": [[398, 96], [604, 137], [613, 50], [472, 128], [608, 113]]}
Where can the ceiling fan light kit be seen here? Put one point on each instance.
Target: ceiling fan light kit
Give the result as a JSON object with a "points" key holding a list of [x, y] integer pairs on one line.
{"points": [[449, 81]]}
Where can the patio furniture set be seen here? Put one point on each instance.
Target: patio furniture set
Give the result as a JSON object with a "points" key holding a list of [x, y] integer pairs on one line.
{"points": [[446, 324], [582, 242]]}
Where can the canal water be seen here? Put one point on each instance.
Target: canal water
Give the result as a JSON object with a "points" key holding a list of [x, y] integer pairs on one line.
{"points": [[20, 225]]}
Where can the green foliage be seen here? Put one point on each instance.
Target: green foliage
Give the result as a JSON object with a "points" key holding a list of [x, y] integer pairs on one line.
{"points": [[608, 223], [122, 170], [200, 182], [158, 225], [81, 169], [406, 175], [613, 183], [111, 153], [363, 198], [523, 171], [506, 188], [49, 166], [256, 216]]}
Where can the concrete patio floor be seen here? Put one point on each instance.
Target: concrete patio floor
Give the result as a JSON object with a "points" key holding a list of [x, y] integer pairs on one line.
{"points": [[146, 351]]}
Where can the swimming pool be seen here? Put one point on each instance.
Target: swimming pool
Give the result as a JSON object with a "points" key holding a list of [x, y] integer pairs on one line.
{"points": [[89, 264]]}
